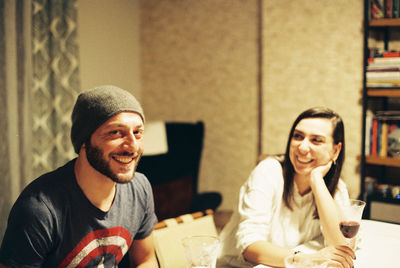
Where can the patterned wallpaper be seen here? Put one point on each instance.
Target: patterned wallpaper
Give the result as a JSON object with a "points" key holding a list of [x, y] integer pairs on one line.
{"points": [[199, 62]]}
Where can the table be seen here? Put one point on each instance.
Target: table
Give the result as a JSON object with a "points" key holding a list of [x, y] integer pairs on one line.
{"points": [[379, 247]]}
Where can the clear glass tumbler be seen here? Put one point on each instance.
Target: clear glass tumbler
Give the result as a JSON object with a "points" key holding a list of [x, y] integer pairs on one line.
{"points": [[201, 251]]}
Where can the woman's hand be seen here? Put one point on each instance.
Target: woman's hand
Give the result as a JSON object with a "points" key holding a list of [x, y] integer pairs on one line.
{"points": [[321, 171], [342, 255]]}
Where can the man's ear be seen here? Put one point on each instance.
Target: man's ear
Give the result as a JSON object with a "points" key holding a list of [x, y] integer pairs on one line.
{"points": [[83, 147]]}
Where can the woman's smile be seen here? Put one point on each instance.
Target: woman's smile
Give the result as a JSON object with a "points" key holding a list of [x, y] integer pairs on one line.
{"points": [[304, 160]]}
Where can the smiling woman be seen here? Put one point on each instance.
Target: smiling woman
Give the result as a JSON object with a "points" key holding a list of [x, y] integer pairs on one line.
{"points": [[290, 205]]}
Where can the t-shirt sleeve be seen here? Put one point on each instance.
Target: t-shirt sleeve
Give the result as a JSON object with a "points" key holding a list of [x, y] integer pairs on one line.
{"points": [[257, 201], [150, 218], [28, 235]]}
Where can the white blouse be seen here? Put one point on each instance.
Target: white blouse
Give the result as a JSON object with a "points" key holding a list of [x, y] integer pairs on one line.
{"points": [[262, 215]]}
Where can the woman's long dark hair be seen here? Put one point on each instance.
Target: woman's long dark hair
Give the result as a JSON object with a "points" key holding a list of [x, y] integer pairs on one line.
{"points": [[332, 177]]}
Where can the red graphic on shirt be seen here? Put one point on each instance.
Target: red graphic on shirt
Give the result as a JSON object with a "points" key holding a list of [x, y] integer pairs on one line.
{"points": [[114, 241]]}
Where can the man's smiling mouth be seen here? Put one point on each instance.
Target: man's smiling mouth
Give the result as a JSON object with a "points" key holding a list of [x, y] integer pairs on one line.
{"points": [[125, 159]]}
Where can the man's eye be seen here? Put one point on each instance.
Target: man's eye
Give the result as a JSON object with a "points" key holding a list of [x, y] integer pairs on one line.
{"points": [[114, 132]]}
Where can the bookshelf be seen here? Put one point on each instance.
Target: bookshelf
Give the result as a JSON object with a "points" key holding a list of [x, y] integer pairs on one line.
{"points": [[378, 97], [395, 22], [385, 161]]}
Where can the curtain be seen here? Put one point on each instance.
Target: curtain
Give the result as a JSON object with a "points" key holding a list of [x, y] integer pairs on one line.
{"points": [[15, 97], [39, 81], [55, 81]]}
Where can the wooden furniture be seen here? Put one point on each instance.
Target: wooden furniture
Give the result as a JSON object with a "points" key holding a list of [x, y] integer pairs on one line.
{"points": [[385, 169], [169, 233], [174, 175]]}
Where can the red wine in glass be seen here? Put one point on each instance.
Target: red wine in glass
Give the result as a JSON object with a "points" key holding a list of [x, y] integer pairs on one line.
{"points": [[349, 228]]}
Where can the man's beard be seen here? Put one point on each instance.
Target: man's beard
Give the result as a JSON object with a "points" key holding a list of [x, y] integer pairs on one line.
{"points": [[95, 158]]}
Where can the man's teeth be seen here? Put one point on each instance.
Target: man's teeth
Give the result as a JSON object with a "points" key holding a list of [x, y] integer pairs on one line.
{"points": [[125, 159]]}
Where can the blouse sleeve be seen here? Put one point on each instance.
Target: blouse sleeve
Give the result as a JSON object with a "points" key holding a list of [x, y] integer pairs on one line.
{"points": [[259, 198]]}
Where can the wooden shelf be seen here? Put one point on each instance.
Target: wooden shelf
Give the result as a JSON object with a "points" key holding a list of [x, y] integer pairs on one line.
{"points": [[384, 161], [380, 92], [384, 22]]}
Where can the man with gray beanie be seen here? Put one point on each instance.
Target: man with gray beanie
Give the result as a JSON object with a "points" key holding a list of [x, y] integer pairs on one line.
{"points": [[96, 208]]}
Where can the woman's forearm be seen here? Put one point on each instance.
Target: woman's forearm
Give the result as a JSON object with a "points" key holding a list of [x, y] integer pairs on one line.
{"points": [[327, 212], [262, 252]]}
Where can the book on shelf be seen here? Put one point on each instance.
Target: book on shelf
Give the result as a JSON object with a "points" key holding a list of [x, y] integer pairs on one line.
{"points": [[383, 152], [383, 75], [374, 139], [383, 70], [384, 9], [396, 6], [368, 129], [383, 84], [391, 54], [389, 9], [378, 128], [383, 60], [377, 9]]}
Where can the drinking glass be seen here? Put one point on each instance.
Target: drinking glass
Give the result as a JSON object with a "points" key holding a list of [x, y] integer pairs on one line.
{"points": [[350, 218], [201, 251]]}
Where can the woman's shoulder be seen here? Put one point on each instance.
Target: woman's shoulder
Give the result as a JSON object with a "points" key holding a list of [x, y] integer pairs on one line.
{"points": [[270, 162], [268, 171]]}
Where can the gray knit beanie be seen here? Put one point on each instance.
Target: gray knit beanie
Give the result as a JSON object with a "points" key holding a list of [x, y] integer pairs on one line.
{"points": [[96, 106]]}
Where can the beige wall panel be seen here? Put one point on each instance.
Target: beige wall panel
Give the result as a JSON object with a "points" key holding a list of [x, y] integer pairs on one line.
{"points": [[313, 57], [199, 62], [109, 44]]}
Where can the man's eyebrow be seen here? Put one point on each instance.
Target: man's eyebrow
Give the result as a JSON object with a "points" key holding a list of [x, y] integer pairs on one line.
{"points": [[112, 125], [120, 125]]}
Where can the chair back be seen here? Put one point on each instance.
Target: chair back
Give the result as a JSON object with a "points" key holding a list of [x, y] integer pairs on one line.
{"points": [[168, 235], [174, 175]]}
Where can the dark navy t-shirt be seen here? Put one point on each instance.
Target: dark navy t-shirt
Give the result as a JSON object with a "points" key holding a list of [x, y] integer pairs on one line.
{"points": [[53, 224]]}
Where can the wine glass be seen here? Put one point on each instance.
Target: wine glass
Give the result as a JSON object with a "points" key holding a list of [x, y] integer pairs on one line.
{"points": [[350, 218]]}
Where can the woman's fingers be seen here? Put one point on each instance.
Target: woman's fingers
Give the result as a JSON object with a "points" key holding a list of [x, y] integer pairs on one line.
{"points": [[344, 255], [344, 260], [347, 250]]}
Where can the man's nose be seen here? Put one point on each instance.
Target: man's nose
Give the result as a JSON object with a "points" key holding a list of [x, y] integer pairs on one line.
{"points": [[131, 141]]}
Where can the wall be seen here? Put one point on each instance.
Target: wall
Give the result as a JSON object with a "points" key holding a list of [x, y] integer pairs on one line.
{"points": [[109, 44], [199, 62], [313, 57]]}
